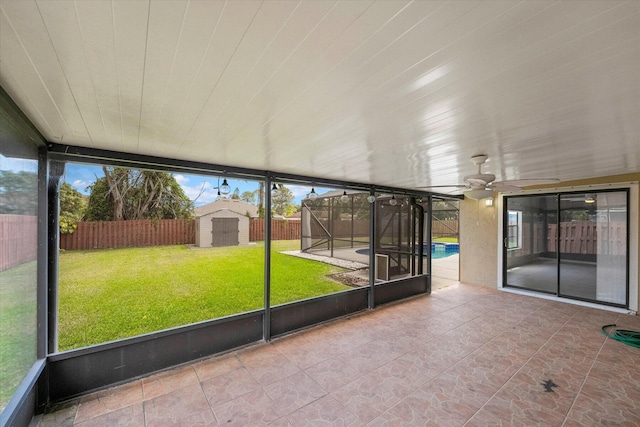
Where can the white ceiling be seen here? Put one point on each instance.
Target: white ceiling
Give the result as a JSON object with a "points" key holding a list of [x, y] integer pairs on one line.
{"points": [[397, 93]]}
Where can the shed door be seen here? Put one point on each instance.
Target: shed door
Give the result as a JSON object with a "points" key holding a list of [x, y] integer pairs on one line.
{"points": [[224, 231]]}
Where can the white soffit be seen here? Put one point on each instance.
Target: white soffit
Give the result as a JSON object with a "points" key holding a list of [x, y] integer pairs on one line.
{"points": [[390, 92]]}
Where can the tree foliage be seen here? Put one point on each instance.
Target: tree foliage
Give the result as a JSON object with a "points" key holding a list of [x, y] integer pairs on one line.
{"points": [[249, 197], [17, 190], [72, 207], [236, 194], [282, 201], [129, 194]]}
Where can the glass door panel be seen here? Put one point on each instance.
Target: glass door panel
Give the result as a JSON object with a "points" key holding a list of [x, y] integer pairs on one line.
{"points": [[593, 246], [530, 244]]}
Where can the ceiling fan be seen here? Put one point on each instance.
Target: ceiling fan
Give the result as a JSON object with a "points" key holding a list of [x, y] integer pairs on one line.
{"points": [[482, 185]]}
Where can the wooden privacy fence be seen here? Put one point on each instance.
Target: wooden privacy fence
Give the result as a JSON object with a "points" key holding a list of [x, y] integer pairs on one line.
{"points": [[586, 237], [340, 229], [444, 228], [280, 229], [126, 234], [18, 240], [576, 237]]}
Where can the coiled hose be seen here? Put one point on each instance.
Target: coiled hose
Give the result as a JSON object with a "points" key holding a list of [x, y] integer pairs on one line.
{"points": [[625, 336]]}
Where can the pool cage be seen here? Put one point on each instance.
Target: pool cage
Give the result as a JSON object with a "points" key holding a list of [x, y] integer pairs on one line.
{"points": [[402, 237], [335, 220], [336, 224]]}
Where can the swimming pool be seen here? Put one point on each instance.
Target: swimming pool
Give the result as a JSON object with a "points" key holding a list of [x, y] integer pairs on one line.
{"points": [[443, 250], [438, 250]]}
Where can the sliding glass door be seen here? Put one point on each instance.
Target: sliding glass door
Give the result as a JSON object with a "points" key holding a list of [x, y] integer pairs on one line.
{"points": [[531, 259], [573, 245], [593, 246]]}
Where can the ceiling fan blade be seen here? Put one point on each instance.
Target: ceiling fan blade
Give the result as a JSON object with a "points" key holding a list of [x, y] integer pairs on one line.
{"points": [[445, 186], [501, 186], [528, 182]]}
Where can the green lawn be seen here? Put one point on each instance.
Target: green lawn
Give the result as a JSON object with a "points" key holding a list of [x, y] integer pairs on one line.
{"points": [[446, 239], [17, 326], [111, 294]]}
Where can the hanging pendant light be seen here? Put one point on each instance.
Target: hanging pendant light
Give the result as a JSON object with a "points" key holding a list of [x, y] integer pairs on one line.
{"points": [[371, 198], [393, 200], [313, 195], [224, 188], [345, 197]]}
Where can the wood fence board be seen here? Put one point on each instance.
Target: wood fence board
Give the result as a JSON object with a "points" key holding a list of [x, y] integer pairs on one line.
{"points": [[124, 234], [18, 240]]}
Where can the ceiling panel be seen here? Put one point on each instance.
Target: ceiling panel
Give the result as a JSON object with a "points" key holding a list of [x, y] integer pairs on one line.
{"points": [[400, 93]]}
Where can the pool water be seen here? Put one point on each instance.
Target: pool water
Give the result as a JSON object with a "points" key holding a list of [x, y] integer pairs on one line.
{"points": [[443, 250], [438, 250]]}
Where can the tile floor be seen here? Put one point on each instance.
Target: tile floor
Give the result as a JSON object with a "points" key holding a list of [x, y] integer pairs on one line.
{"points": [[465, 355]]}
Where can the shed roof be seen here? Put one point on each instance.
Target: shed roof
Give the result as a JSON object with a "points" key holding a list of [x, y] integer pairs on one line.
{"points": [[234, 205]]}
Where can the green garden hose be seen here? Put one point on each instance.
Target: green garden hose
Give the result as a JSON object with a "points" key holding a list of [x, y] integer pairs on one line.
{"points": [[627, 337]]}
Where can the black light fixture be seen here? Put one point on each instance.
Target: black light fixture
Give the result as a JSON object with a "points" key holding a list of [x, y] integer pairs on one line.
{"points": [[274, 187], [224, 188], [345, 197], [313, 195], [393, 200]]}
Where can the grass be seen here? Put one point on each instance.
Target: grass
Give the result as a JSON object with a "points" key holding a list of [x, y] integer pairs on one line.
{"points": [[112, 294], [446, 239], [17, 327]]}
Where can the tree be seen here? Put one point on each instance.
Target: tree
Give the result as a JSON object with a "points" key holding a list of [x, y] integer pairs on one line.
{"points": [[100, 205], [261, 200], [282, 201], [72, 207], [128, 194], [17, 191], [236, 194], [248, 197]]}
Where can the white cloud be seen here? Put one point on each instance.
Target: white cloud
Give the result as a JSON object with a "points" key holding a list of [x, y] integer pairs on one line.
{"points": [[203, 191], [80, 184], [181, 179], [299, 191]]}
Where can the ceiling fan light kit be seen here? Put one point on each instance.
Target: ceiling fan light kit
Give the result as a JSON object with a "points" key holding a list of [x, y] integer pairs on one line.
{"points": [[478, 194]]}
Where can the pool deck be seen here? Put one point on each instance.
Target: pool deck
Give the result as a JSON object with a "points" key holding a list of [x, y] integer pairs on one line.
{"points": [[444, 270]]}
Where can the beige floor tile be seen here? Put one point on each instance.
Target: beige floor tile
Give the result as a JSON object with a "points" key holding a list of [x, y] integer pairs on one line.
{"points": [[332, 373], [293, 392], [226, 387], [131, 416], [109, 400], [186, 406], [169, 381], [215, 366], [252, 409], [325, 411]]}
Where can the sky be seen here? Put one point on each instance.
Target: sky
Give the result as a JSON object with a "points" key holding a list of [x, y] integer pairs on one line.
{"points": [[80, 176], [17, 164]]}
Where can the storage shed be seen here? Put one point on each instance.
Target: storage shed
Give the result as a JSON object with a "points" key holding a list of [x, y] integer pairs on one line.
{"points": [[223, 223]]}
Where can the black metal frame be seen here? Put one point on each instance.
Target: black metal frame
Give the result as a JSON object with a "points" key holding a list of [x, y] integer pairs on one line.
{"points": [[297, 315], [398, 289], [59, 376], [87, 155], [22, 405], [558, 196], [80, 371]]}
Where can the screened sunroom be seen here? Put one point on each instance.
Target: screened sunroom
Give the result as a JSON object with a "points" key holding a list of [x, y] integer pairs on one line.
{"points": [[502, 137]]}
